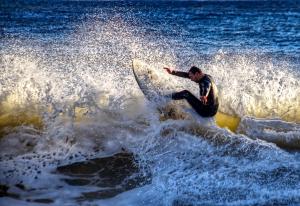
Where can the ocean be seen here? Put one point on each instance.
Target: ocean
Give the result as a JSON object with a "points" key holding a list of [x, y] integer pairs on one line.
{"points": [[75, 128]]}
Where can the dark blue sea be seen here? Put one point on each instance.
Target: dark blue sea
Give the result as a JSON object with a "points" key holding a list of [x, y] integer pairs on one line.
{"points": [[75, 128]]}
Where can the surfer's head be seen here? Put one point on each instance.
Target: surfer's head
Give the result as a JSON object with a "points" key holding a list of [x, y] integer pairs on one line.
{"points": [[195, 74]]}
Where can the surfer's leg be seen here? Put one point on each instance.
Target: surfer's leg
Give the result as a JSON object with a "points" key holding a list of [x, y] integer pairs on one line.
{"points": [[195, 103], [182, 95]]}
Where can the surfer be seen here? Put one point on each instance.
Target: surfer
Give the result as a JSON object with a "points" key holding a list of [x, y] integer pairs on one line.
{"points": [[207, 105]]}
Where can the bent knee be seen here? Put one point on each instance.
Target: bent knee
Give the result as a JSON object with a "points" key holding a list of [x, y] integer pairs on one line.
{"points": [[185, 93]]}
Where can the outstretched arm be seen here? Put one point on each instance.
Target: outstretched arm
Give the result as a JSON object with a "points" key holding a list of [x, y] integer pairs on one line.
{"points": [[177, 73]]}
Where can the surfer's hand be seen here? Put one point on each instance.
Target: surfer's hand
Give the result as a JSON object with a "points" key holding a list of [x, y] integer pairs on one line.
{"points": [[203, 99], [169, 70]]}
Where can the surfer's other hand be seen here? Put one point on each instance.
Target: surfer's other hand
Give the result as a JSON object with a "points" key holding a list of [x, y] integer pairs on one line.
{"points": [[203, 99], [169, 70]]}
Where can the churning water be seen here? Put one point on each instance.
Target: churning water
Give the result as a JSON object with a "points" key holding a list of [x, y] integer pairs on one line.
{"points": [[76, 129]]}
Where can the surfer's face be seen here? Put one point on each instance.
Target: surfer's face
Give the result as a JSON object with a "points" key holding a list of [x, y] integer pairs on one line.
{"points": [[195, 77]]}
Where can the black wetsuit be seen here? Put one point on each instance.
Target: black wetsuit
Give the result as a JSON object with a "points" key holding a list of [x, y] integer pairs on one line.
{"points": [[207, 88]]}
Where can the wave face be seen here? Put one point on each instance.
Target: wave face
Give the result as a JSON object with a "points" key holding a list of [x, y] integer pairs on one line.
{"points": [[75, 129]]}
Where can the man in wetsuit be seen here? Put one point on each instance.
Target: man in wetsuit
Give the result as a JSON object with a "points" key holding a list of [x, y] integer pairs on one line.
{"points": [[207, 105]]}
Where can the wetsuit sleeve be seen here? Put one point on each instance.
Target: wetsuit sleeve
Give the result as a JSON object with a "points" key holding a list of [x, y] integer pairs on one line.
{"points": [[181, 74], [205, 87]]}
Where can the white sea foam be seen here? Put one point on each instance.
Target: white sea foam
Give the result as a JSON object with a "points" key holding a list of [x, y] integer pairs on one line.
{"points": [[282, 133], [256, 86], [90, 106]]}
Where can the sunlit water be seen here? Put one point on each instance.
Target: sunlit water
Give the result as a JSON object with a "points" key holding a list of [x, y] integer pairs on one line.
{"points": [[68, 95]]}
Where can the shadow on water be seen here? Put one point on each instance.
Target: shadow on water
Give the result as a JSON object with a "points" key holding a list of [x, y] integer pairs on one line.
{"points": [[113, 175]]}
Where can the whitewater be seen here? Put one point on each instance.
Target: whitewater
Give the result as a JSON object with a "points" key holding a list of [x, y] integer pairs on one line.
{"points": [[75, 128]]}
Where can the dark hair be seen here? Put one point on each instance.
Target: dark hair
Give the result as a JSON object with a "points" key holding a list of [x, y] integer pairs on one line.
{"points": [[195, 69]]}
